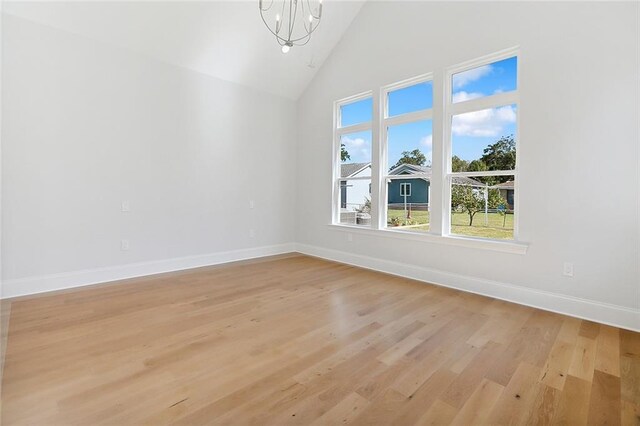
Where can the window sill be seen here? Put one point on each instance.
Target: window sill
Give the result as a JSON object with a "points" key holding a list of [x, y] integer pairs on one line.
{"points": [[513, 247]]}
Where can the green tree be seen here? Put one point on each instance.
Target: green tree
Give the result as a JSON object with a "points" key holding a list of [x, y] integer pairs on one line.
{"points": [[470, 200], [458, 164], [477, 166], [344, 154], [500, 155], [415, 157]]}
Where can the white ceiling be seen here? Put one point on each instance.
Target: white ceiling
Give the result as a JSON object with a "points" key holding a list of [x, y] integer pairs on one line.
{"points": [[224, 39]]}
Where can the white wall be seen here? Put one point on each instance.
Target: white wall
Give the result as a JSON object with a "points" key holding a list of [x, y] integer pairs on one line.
{"points": [[87, 126], [579, 147]]}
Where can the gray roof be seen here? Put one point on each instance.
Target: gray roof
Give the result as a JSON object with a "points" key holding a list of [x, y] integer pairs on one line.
{"points": [[348, 169], [467, 181], [505, 185], [409, 169]]}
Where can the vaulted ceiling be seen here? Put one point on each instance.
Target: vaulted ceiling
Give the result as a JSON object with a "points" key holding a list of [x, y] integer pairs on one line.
{"points": [[224, 39]]}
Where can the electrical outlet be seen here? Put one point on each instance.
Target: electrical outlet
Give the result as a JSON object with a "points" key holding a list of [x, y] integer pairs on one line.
{"points": [[126, 207], [251, 204], [252, 233], [567, 269], [124, 245]]}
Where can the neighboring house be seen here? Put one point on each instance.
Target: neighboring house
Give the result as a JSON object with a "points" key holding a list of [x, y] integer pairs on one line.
{"points": [[417, 191], [354, 193], [506, 192]]}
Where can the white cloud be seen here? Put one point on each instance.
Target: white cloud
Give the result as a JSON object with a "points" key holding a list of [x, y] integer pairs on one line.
{"points": [[463, 78], [465, 96], [485, 123], [427, 141], [358, 148]]}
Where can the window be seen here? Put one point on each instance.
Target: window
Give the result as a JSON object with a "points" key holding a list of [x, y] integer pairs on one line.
{"points": [[352, 177], [406, 141], [485, 80], [356, 112], [384, 148], [413, 98], [481, 124]]}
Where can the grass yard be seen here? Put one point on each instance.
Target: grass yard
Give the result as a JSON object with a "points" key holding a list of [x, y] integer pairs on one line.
{"points": [[493, 229], [419, 217], [460, 224]]}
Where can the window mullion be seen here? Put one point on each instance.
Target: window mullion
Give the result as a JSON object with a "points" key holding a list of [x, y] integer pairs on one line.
{"points": [[335, 208], [438, 217], [409, 117], [486, 173], [354, 128], [380, 149], [487, 102]]}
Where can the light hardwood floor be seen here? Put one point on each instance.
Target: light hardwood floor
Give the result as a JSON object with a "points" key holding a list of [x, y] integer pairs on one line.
{"points": [[299, 340]]}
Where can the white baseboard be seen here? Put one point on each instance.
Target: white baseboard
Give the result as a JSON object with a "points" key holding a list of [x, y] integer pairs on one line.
{"points": [[45, 283], [605, 313]]}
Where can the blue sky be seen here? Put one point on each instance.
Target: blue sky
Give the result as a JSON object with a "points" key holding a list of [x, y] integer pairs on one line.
{"points": [[410, 99], [471, 132]]}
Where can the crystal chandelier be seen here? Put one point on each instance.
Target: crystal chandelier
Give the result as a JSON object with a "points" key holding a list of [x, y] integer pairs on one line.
{"points": [[285, 14]]}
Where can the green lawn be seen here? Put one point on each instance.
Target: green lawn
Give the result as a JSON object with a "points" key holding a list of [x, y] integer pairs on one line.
{"points": [[492, 229], [419, 219], [460, 224]]}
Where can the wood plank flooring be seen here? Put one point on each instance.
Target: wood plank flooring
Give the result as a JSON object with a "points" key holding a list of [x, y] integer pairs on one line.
{"points": [[299, 340]]}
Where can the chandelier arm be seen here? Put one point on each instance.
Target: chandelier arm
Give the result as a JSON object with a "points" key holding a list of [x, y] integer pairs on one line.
{"points": [[304, 24], [305, 36], [304, 12], [267, 8], [304, 16], [284, 3], [311, 10], [292, 16], [309, 29], [308, 39], [280, 41], [269, 28], [293, 6]]}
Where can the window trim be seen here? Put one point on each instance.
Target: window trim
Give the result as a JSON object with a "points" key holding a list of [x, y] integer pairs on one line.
{"points": [[442, 109], [503, 246], [384, 96], [338, 132], [493, 101], [405, 185], [383, 130]]}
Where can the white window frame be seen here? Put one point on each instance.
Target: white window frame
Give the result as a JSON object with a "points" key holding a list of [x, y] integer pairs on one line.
{"points": [[405, 185], [338, 132], [486, 102], [410, 117], [441, 114]]}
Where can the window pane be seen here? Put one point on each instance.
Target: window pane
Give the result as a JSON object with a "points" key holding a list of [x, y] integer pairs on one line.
{"points": [[408, 204], [484, 140], [410, 99], [356, 112], [483, 206], [409, 144], [355, 202], [355, 148], [485, 80]]}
